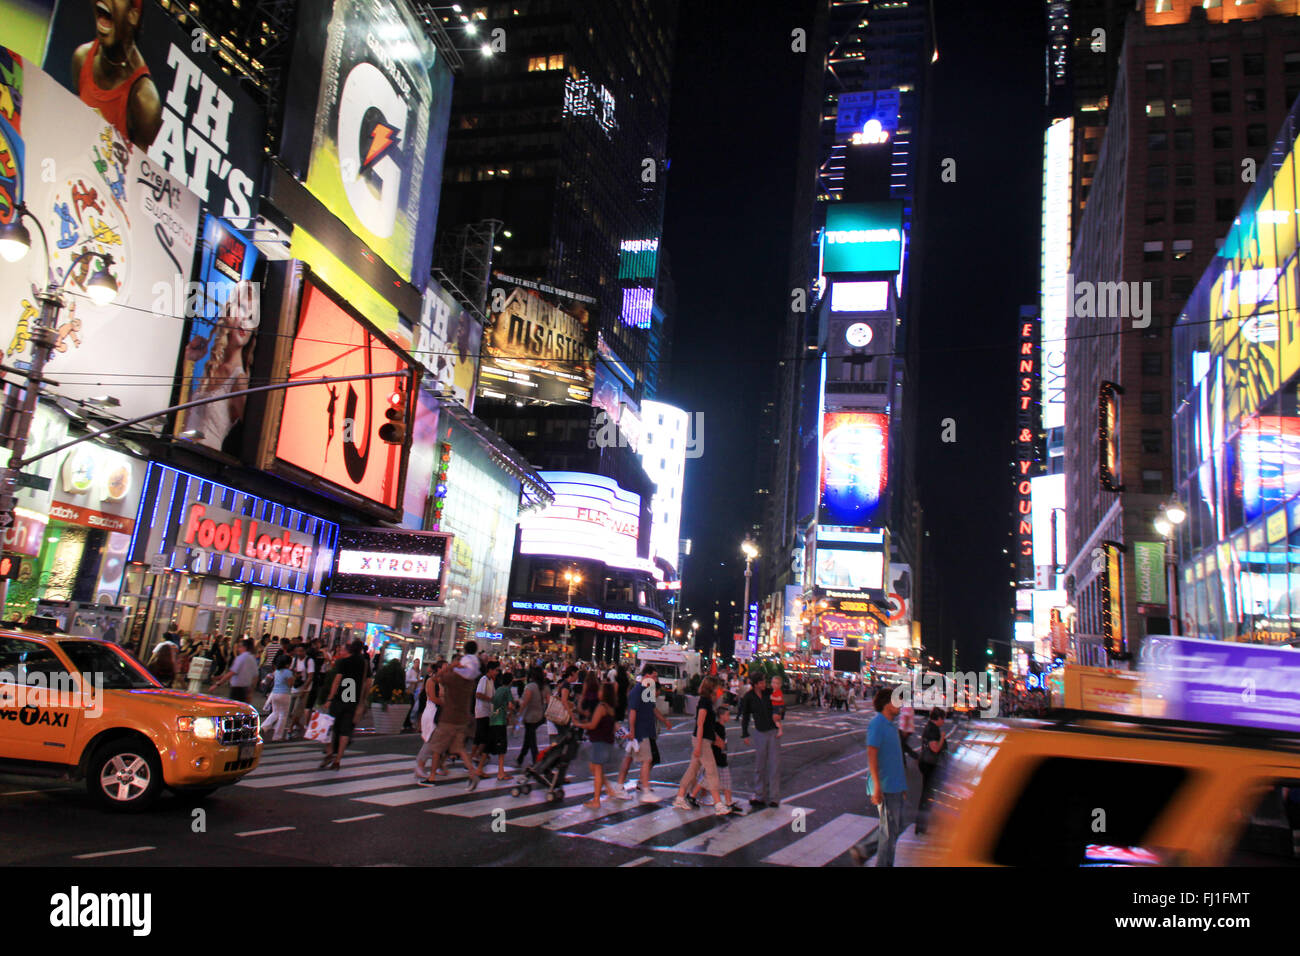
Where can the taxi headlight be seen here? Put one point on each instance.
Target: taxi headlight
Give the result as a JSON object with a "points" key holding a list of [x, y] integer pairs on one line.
{"points": [[204, 728]]}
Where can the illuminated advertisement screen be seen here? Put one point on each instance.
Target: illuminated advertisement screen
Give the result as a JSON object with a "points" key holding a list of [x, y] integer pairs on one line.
{"points": [[1269, 462], [1058, 159], [855, 467], [591, 517], [863, 237], [448, 345], [222, 338], [860, 296], [537, 348], [94, 195], [372, 96], [330, 432], [1048, 505], [850, 570], [203, 128], [407, 567]]}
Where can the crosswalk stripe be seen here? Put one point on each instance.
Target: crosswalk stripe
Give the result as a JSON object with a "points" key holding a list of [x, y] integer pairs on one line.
{"points": [[826, 843], [573, 816], [386, 782], [449, 787], [270, 751], [505, 801], [647, 826], [314, 764], [295, 779], [734, 834], [275, 759]]}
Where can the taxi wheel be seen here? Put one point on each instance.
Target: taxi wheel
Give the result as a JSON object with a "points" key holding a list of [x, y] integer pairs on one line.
{"points": [[125, 775]]}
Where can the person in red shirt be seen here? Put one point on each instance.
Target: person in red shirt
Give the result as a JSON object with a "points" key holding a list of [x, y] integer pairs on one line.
{"points": [[777, 697], [110, 75]]}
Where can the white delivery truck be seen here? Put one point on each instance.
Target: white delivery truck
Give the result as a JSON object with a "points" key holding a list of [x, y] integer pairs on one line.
{"points": [[674, 664]]}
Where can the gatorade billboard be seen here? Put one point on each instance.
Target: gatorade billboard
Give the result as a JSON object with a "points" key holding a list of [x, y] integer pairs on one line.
{"points": [[372, 97]]}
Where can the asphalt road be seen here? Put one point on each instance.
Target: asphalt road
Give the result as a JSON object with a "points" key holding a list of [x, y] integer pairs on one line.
{"points": [[371, 813]]}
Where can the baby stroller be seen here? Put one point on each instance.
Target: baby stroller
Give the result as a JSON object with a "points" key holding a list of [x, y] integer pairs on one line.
{"points": [[552, 765]]}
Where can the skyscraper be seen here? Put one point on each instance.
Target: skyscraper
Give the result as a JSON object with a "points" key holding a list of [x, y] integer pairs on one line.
{"points": [[848, 333], [559, 138], [1199, 92]]}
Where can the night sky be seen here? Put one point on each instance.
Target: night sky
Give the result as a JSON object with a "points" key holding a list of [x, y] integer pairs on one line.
{"points": [[727, 224]]}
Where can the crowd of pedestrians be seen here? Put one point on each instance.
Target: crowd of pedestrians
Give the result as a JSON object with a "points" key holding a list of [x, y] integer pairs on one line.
{"points": [[465, 706]]}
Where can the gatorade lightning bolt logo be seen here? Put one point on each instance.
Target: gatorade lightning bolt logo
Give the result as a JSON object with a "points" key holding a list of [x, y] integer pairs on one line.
{"points": [[383, 138], [371, 115]]}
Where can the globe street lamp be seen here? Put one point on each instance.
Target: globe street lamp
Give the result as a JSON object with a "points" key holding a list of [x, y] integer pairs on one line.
{"points": [[1172, 514]]}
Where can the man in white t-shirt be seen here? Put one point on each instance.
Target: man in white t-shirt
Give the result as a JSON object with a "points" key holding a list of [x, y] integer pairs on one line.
{"points": [[304, 673], [483, 707]]}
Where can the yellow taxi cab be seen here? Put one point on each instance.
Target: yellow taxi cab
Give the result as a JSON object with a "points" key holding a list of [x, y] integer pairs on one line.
{"points": [[82, 708], [1103, 789]]}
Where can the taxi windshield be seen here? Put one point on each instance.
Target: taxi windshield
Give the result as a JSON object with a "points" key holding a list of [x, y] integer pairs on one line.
{"points": [[96, 660]]}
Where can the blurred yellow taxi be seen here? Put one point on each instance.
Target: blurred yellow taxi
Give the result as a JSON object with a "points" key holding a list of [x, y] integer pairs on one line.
{"points": [[1093, 789]]}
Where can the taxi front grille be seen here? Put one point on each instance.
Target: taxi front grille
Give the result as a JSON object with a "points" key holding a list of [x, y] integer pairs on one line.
{"points": [[238, 765], [237, 729]]}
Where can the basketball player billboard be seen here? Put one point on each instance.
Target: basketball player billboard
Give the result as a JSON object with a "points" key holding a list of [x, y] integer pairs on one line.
{"points": [[370, 94], [329, 434], [93, 192], [156, 83]]}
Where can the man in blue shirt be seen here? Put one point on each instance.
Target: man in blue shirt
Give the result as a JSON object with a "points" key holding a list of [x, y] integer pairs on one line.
{"points": [[642, 715], [886, 780]]}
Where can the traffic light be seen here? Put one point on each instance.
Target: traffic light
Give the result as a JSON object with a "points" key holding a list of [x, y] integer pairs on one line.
{"points": [[9, 567], [989, 650], [394, 433]]}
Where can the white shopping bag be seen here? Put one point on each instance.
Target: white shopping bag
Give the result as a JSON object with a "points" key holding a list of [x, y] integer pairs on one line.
{"points": [[319, 727]]}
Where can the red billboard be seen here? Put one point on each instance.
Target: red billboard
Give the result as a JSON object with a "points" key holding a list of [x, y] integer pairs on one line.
{"points": [[329, 433]]}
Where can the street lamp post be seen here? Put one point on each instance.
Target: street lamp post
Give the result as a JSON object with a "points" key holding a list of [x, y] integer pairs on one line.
{"points": [[571, 577], [750, 552], [1171, 516], [15, 241]]}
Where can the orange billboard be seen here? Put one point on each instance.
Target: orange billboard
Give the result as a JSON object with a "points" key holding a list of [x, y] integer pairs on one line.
{"points": [[330, 431]]}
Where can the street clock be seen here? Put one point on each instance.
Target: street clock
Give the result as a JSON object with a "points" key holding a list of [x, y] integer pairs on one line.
{"points": [[858, 335]]}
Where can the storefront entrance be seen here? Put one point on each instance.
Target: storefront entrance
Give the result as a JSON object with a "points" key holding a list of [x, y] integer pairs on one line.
{"points": [[207, 608]]}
